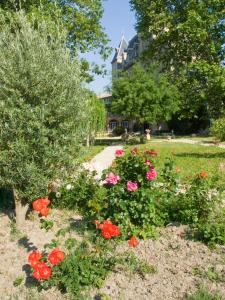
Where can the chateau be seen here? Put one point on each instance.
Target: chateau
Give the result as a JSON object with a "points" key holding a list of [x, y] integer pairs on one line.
{"points": [[124, 57]]}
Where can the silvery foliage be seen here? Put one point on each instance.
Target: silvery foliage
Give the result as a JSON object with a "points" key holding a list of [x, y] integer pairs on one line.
{"points": [[42, 105]]}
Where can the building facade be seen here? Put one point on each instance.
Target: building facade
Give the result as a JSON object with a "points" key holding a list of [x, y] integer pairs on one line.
{"points": [[125, 56]]}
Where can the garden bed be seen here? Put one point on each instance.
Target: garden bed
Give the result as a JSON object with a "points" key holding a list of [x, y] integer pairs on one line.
{"points": [[175, 260], [123, 238]]}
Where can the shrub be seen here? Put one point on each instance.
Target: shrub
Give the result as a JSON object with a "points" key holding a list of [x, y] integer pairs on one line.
{"points": [[132, 202], [83, 194], [117, 131], [139, 199], [190, 204], [85, 266], [212, 230], [218, 129], [42, 107]]}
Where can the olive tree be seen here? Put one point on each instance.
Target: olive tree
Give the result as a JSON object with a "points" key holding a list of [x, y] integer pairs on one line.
{"points": [[42, 105]]}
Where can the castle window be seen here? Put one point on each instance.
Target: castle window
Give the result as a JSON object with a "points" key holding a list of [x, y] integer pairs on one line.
{"points": [[125, 124], [113, 124]]}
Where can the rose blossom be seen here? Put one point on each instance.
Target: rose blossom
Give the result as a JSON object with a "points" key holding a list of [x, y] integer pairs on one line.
{"points": [[34, 256], [119, 153], [151, 175], [40, 203], [203, 174], [44, 211], [56, 256], [148, 163], [109, 229], [111, 179], [132, 186], [133, 242]]}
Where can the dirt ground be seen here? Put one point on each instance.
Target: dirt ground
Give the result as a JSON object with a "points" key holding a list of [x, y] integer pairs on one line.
{"points": [[173, 257]]}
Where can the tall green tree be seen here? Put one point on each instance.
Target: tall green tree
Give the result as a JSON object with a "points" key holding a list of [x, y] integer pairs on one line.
{"points": [[145, 95], [81, 19], [187, 37], [182, 31], [203, 88], [42, 109]]}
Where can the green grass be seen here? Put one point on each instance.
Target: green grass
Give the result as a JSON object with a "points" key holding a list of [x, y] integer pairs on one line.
{"points": [[203, 294], [87, 153], [191, 159]]}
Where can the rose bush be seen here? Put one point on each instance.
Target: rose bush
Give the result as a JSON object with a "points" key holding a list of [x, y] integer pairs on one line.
{"points": [[132, 201], [41, 269]]}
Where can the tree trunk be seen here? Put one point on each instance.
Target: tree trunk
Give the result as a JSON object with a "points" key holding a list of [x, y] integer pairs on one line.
{"points": [[20, 209], [88, 141]]}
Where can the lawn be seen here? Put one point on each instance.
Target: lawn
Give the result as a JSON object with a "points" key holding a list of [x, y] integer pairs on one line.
{"points": [[191, 159], [87, 153]]}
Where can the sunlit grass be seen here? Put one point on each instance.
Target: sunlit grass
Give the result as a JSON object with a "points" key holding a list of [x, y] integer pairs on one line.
{"points": [[87, 153], [191, 159]]}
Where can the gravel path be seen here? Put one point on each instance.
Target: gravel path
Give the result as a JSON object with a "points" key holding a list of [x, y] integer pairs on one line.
{"points": [[192, 142], [102, 160]]}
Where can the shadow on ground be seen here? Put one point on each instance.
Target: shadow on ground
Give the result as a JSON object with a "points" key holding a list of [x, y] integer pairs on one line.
{"points": [[201, 155]]}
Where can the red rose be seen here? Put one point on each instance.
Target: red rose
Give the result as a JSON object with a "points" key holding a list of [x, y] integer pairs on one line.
{"points": [[45, 201], [107, 222], [56, 256], [115, 230], [133, 242], [44, 211], [203, 174], [40, 265], [34, 256], [38, 205], [151, 152], [37, 274], [45, 272], [106, 234], [41, 203], [109, 229], [178, 170], [34, 263]]}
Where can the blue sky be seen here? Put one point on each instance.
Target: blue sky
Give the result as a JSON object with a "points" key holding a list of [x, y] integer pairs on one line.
{"points": [[118, 18]]}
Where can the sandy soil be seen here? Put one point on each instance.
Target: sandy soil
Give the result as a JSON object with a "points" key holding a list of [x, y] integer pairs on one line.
{"points": [[173, 257]]}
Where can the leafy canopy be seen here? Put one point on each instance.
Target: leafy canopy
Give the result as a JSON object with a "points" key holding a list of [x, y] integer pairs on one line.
{"points": [[144, 95], [182, 31], [187, 38], [81, 19]]}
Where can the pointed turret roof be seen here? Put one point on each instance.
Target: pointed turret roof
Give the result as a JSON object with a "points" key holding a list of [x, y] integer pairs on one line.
{"points": [[120, 50]]}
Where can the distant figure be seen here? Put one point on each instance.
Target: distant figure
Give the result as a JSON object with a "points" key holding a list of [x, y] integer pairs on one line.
{"points": [[148, 136]]}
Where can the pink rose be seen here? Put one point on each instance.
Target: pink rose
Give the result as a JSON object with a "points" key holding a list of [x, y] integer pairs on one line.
{"points": [[148, 163], [132, 186], [111, 179], [151, 175], [119, 152]]}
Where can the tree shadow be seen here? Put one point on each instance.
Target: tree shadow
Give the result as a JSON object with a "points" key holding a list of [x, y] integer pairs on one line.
{"points": [[25, 242], [201, 155], [30, 281], [7, 203], [81, 226]]}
